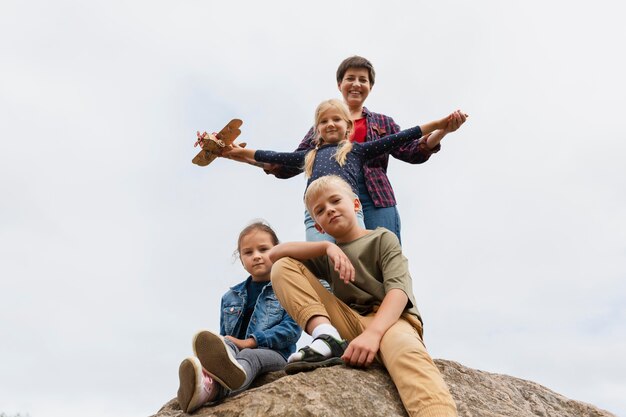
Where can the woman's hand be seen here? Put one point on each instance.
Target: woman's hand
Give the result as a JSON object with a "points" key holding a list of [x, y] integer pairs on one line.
{"points": [[454, 121]]}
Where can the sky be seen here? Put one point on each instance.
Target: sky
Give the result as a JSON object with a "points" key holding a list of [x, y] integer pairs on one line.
{"points": [[115, 249]]}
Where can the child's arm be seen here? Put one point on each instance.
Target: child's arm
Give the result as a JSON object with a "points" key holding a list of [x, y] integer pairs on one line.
{"points": [[298, 250], [293, 159], [286, 332], [238, 153], [310, 250], [391, 142], [455, 120], [439, 124], [362, 350], [249, 343], [247, 158], [282, 171]]}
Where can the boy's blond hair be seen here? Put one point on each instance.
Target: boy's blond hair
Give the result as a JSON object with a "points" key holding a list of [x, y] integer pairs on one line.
{"points": [[325, 183], [343, 147]]}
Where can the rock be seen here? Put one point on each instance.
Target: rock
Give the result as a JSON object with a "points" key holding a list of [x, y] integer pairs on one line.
{"points": [[345, 392]]}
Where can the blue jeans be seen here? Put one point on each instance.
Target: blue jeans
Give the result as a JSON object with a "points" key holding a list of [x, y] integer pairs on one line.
{"points": [[387, 217], [312, 235]]}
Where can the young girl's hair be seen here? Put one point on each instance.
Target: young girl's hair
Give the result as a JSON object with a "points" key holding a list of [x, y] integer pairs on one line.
{"points": [[323, 184], [344, 146], [257, 225]]}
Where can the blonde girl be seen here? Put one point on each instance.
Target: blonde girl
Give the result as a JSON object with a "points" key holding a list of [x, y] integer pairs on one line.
{"points": [[333, 153]]}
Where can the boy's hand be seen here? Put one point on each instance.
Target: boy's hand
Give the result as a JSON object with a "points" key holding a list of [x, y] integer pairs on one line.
{"points": [[341, 262], [362, 350]]}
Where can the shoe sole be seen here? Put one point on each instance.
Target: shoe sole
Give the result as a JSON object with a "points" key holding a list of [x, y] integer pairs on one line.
{"points": [[190, 386], [303, 366], [216, 358]]}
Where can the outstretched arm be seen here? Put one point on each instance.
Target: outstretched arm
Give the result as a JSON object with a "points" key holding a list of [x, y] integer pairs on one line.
{"points": [[261, 158], [283, 171], [455, 120], [452, 121], [391, 142], [240, 154]]}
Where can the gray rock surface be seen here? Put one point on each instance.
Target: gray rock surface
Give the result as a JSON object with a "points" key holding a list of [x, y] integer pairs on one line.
{"points": [[344, 392]]}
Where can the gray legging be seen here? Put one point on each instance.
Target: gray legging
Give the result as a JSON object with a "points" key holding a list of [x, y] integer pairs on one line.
{"points": [[255, 362]]}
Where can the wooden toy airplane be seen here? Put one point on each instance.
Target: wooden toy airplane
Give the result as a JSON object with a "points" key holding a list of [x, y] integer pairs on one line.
{"points": [[212, 144]]}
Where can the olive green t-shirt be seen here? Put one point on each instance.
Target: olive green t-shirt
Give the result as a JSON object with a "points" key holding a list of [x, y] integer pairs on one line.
{"points": [[379, 267]]}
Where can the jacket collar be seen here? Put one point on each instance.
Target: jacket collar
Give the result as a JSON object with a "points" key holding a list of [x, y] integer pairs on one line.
{"points": [[241, 287]]}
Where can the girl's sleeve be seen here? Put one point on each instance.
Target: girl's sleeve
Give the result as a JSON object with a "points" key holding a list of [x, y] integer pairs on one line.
{"points": [[388, 143], [284, 334], [283, 171], [290, 159]]}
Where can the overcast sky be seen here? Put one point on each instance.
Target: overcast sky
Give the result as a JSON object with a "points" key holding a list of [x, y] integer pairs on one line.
{"points": [[115, 249]]}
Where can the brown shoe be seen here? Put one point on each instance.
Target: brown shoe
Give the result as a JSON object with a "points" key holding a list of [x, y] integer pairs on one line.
{"points": [[217, 360]]}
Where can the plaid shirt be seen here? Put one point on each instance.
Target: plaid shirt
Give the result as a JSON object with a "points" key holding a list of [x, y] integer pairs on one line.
{"points": [[374, 170]]}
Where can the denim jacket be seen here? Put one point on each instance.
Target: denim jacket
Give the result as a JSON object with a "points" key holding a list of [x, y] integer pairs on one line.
{"points": [[270, 325]]}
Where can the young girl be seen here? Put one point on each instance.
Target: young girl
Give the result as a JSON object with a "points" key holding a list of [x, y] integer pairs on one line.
{"points": [[333, 153], [256, 334]]}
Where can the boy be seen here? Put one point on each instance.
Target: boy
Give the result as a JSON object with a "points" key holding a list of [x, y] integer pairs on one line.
{"points": [[372, 303]]}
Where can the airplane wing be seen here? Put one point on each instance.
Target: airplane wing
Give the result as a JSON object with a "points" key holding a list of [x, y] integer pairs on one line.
{"points": [[230, 132], [204, 158], [213, 144]]}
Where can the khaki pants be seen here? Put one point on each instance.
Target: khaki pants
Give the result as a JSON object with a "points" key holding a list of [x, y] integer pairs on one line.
{"points": [[420, 385]]}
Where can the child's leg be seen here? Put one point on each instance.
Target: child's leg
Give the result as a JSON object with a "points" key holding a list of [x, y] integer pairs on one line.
{"points": [[303, 297], [217, 355], [420, 384], [256, 362], [318, 312]]}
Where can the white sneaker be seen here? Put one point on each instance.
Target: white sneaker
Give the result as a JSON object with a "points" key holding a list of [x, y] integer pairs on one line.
{"points": [[196, 388]]}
